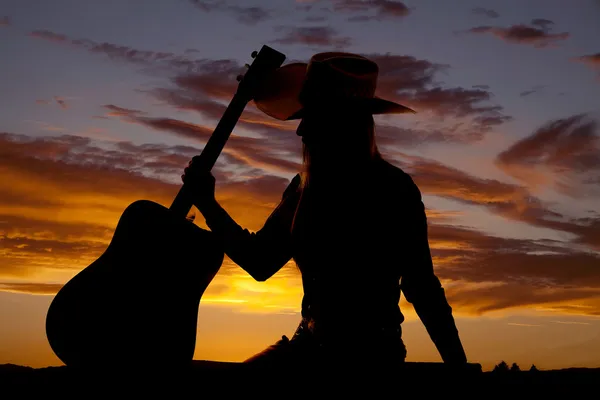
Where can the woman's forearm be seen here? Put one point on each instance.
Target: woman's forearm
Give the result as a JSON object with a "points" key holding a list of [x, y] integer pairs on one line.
{"points": [[261, 254], [436, 315]]}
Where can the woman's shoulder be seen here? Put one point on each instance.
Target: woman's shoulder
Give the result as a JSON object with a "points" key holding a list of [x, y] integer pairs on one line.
{"points": [[292, 186], [396, 181]]}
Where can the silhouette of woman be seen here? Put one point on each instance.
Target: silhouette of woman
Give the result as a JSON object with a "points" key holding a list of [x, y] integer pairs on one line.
{"points": [[354, 224]]}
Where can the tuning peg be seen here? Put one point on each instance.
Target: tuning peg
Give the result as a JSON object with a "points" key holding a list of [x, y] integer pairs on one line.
{"points": [[239, 78], [254, 54], [247, 65]]}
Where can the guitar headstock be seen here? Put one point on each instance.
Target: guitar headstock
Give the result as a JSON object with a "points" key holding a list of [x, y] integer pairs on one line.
{"points": [[265, 61]]}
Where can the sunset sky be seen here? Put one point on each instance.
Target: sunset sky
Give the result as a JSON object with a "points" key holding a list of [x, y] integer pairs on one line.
{"points": [[104, 102]]}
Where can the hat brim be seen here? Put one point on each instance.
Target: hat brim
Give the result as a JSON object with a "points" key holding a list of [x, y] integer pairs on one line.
{"points": [[278, 96]]}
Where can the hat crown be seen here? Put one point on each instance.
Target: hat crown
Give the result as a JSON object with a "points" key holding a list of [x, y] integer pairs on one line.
{"points": [[338, 75], [329, 80]]}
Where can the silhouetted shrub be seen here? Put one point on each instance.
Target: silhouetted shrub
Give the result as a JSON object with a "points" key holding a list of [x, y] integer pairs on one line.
{"points": [[533, 368], [502, 367]]}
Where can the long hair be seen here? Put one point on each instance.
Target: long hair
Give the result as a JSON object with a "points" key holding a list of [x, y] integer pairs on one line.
{"points": [[354, 139], [358, 132]]}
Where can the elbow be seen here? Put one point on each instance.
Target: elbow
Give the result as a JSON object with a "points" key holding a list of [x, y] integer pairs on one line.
{"points": [[260, 273], [257, 265], [261, 277]]}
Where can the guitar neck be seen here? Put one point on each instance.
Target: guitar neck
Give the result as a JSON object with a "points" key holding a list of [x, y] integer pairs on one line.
{"points": [[182, 203]]}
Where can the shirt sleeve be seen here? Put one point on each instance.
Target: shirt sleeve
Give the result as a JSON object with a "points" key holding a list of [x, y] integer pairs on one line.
{"points": [[419, 283], [265, 252]]}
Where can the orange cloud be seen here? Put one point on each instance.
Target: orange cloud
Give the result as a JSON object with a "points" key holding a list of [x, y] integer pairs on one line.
{"points": [[592, 60], [478, 300], [31, 288], [564, 153], [61, 197]]}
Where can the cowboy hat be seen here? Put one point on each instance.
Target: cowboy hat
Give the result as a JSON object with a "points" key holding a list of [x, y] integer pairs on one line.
{"points": [[328, 79]]}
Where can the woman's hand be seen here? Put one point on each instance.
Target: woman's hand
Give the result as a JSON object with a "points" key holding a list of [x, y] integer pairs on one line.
{"points": [[201, 184]]}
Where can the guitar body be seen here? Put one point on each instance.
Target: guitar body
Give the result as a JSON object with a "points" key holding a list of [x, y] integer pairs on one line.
{"points": [[137, 304]]}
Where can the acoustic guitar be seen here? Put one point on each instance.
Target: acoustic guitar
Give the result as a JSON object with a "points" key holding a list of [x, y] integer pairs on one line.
{"points": [[137, 304]]}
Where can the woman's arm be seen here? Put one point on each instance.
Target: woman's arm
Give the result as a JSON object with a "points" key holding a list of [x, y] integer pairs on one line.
{"points": [[422, 287], [265, 252]]}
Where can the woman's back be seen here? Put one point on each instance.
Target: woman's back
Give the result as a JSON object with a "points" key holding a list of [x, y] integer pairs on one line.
{"points": [[348, 255]]}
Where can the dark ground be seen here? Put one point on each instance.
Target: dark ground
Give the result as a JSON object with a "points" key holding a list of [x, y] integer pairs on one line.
{"points": [[210, 379]]}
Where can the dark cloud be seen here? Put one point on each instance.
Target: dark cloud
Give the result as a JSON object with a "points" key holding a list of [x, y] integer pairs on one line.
{"points": [[115, 111], [534, 89], [267, 153], [61, 102], [511, 201], [249, 15], [567, 148], [457, 102], [156, 60], [486, 12], [366, 10], [402, 78], [207, 6], [542, 23], [393, 136], [256, 153], [66, 151], [490, 273], [47, 35], [320, 36], [193, 95], [304, 7], [315, 18], [478, 257], [411, 81], [538, 34], [591, 59], [406, 79], [438, 179]]}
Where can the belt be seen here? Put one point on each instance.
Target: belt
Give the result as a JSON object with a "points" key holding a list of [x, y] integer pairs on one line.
{"points": [[313, 332]]}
